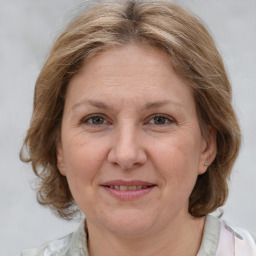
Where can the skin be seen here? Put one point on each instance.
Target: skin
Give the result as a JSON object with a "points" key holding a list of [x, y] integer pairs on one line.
{"points": [[126, 88]]}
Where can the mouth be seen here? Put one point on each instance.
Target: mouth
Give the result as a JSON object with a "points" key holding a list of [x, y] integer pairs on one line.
{"points": [[128, 190]]}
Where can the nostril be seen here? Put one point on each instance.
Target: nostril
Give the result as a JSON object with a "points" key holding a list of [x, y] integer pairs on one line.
{"points": [[127, 159]]}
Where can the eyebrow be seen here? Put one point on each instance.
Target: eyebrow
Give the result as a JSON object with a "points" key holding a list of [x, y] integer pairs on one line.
{"points": [[159, 104], [94, 103], [148, 106]]}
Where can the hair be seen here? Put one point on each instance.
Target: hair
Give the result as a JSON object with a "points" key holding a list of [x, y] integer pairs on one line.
{"points": [[194, 57]]}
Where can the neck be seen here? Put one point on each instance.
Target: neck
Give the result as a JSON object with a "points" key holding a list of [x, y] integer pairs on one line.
{"points": [[177, 239]]}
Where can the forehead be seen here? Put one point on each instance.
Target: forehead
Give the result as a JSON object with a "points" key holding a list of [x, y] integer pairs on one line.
{"points": [[129, 56], [129, 72], [133, 60]]}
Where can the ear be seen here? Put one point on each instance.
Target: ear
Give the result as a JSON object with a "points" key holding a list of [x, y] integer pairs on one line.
{"points": [[60, 159], [209, 150]]}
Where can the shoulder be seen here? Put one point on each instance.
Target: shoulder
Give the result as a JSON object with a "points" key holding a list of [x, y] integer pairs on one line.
{"points": [[71, 244], [220, 238], [245, 243], [54, 247], [236, 240]]}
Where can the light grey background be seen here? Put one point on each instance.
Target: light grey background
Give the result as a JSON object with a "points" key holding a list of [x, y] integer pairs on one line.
{"points": [[27, 29]]}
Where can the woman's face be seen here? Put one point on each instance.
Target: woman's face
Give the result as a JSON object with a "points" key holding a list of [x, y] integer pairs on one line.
{"points": [[131, 146]]}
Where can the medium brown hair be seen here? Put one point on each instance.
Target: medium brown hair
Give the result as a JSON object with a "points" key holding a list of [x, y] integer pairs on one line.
{"points": [[195, 59]]}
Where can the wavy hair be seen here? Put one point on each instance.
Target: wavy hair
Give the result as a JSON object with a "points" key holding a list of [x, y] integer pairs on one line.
{"points": [[195, 59]]}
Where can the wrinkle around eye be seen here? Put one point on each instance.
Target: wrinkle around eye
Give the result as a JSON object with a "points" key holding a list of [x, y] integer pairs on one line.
{"points": [[163, 120], [90, 120], [87, 124]]}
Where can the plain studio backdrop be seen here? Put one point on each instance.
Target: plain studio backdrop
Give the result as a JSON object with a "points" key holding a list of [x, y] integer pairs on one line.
{"points": [[27, 31]]}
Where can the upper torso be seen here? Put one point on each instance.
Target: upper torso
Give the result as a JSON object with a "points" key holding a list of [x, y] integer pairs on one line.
{"points": [[219, 239]]}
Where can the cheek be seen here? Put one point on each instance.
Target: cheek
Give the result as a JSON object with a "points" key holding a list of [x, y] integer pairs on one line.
{"points": [[83, 164], [83, 160], [177, 162]]}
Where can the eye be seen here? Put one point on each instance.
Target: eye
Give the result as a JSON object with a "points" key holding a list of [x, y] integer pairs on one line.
{"points": [[94, 120], [160, 120]]}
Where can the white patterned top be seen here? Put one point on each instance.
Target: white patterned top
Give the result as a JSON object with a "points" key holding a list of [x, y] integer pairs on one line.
{"points": [[218, 239]]}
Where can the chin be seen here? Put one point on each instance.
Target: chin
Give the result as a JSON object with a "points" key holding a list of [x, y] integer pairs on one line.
{"points": [[131, 223]]}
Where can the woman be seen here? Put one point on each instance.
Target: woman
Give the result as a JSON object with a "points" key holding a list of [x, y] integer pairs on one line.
{"points": [[133, 125]]}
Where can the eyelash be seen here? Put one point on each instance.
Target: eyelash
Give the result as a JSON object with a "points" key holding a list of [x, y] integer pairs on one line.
{"points": [[90, 117], [165, 118]]}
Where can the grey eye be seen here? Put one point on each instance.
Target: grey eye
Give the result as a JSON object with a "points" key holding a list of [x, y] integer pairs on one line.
{"points": [[94, 120], [97, 120], [160, 119]]}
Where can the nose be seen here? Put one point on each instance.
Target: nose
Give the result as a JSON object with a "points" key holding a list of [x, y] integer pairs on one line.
{"points": [[127, 151]]}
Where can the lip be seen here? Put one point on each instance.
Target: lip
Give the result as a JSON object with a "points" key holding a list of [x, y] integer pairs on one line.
{"points": [[127, 183], [128, 194]]}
